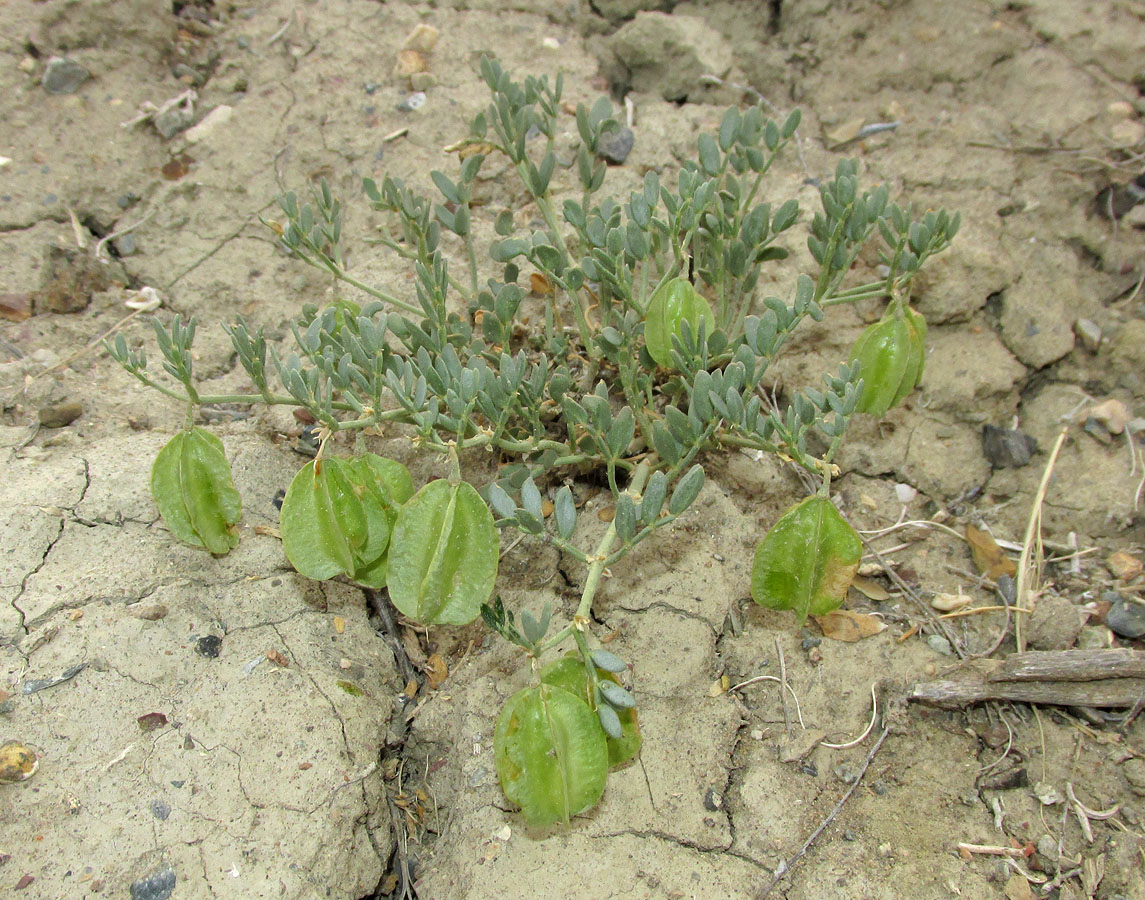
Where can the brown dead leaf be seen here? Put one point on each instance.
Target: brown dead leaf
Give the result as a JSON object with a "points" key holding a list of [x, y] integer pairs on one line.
{"points": [[607, 514], [277, 658], [547, 507], [436, 671], [719, 686], [540, 284], [411, 689], [1124, 566], [849, 626], [411, 643], [870, 588], [463, 153], [988, 556]]}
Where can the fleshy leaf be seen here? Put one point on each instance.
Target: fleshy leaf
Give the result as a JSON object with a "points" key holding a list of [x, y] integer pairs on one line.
{"points": [[807, 560], [443, 555], [192, 486], [550, 754]]}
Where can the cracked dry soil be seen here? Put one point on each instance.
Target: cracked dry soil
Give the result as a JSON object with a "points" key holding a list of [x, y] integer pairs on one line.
{"points": [[225, 728]]}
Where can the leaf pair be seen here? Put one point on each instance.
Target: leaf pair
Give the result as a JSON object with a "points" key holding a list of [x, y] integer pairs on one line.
{"points": [[552, 752]]}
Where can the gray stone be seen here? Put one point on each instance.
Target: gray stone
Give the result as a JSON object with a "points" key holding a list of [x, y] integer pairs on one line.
{"points": [[1006, 447], [1125, 617], [939, 644], [64, 76], [158, 886], [667, 54], [125, 245], [1134, 771], [170, 122], [615, 146]]}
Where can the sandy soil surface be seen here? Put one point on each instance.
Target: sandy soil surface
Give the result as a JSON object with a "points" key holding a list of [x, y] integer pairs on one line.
{"points": [[225, 728]]}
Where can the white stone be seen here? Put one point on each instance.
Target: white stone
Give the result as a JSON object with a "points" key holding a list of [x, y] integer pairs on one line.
{"points": [[212, 120]]}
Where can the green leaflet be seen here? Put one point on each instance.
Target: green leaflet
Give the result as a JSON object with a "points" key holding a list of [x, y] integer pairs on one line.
{"points": [[192, 486], [569, 673], [807, 560], [443, 558], [550, 754], [891, 355], [670, 305], [338, 515]]}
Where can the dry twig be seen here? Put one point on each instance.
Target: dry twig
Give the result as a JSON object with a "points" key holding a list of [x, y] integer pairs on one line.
{"points": [[786, 866]]}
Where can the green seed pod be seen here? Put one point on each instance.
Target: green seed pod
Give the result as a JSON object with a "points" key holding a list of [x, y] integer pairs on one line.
{"points": [[338, 514], [672, 304], [891, 355], [569, 673], [443, 555], [806, 562], [550, 754], [192, 486]]}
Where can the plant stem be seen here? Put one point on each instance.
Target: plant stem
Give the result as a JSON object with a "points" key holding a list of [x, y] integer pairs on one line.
{"points": [[599, 558]]}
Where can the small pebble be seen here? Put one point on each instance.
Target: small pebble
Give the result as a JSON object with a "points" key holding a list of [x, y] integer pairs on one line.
{"points": [[209, 646], [220, 115], [157, 886], [1089, 333], [414, 101], [423, 38], [713, 800], [810, 640], [160, 810], [18, 762], [174, 120], [27, 65], [60, 414], [187, 75], [152, 612], [615, 146], [478, 778], [1134, 772], [64, 76], [371, 87], [939, 644], [125, 245], [1006, 448], [844, 774], [422, 81], [1125, 617]]}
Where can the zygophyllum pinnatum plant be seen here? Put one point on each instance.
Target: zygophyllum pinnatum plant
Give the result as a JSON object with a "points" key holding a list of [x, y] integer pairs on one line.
{"points": [[652, 351]]}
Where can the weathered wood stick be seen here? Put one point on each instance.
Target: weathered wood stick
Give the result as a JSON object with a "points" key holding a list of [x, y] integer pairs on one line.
{"points": [[1072, 665], [1096, 678]]}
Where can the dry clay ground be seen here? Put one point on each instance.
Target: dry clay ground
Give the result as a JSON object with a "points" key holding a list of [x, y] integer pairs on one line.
{"points": [[222, 727]]}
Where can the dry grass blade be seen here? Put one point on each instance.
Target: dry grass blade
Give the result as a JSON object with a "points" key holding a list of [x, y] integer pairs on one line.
{"points": [[1030, 562]]}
